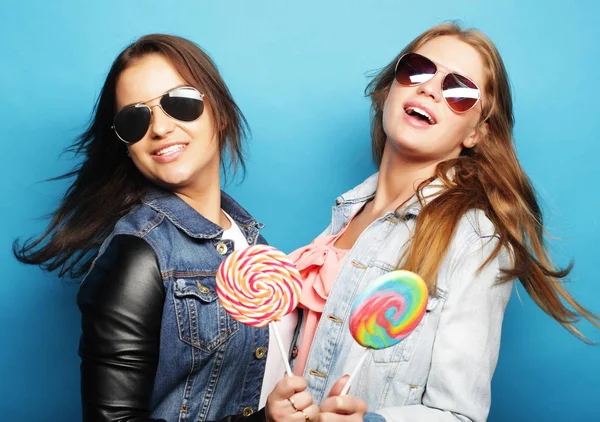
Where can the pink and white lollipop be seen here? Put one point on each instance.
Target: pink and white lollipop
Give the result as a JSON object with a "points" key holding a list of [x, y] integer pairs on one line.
{"points": [[259, 285]]}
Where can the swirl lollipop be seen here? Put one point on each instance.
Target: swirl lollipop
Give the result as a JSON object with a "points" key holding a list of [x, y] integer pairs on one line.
{"points": [[259, 285], [386, 312]]}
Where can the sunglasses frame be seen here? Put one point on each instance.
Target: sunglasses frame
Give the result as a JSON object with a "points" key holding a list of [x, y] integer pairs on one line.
{"points": [[144, 104], [437, 69]]}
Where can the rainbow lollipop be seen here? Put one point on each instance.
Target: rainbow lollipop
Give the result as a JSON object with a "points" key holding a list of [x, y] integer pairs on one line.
{"points": [[386, 312], [259, 285]]}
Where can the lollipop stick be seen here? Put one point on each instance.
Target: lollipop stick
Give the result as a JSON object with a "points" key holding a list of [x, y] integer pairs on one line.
{"points": [[281, 349], [353, 375]]}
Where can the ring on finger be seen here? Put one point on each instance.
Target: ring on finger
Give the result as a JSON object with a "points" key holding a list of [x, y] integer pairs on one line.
{"points": [[293, 403], [306, 418]]}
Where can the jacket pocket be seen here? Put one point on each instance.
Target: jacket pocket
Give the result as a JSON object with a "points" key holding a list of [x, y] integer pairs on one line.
{"points": [[402, 351], [201, 319]]}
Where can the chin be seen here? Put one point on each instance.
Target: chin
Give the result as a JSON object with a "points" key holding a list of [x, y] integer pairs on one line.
{"points": [[173, 181], [410, 145]]}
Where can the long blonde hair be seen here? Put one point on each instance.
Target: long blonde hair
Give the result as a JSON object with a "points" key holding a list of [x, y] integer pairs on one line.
{"points": [[487, 177]]}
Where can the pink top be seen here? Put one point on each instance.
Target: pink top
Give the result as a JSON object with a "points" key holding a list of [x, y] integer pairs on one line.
{"points": [[318, 264]]}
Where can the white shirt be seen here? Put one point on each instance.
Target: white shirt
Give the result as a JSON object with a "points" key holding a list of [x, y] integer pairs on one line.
{"points": [[274, 367]]}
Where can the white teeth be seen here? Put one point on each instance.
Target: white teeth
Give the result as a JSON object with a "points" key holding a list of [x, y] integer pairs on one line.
{"points": [[170, 149], [421, 112]]}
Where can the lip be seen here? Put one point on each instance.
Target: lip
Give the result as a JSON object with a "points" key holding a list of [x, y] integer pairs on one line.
{"points": [[416, 122], [172, 156]]}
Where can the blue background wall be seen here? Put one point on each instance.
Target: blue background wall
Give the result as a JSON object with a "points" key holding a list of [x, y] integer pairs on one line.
{"points": [[297, 70]]}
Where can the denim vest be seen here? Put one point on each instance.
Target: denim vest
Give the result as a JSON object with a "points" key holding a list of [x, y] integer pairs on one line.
{"points": [[442, 371], [208, 366]]}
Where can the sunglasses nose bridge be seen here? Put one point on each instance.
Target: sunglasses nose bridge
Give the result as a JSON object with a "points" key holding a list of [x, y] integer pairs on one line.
{"points": [[160, 123], [151, 107], [159, 105], [432, 87]]}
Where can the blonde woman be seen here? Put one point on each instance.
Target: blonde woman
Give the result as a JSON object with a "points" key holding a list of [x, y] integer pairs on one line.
{"points": [[451, 203]]}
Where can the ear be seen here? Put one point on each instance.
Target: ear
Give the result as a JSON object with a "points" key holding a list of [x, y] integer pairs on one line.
{"points": [[476, 136]]}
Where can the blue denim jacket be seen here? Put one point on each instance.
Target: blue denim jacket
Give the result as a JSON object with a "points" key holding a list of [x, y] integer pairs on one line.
{"points": [[442, 371], [207, 365]]}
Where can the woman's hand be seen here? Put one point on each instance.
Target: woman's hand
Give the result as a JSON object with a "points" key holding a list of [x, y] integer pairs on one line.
{"points": [[289, 402], [336, 408]]}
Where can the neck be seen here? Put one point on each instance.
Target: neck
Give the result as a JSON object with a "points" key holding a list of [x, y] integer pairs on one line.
{"points": [[399, 178], [205, 198]]}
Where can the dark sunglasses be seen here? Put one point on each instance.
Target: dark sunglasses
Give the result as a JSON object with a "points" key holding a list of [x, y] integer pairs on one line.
{"points": [[183, 103], [460, 93]]}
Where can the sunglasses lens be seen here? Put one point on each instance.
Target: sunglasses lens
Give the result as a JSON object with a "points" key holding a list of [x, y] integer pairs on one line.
{"points": [[460, 93], [183, 104], [413, 69], [131, 123]]}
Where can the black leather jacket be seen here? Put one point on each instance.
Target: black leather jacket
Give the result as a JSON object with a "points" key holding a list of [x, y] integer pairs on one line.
{"points": [[121, 320]]}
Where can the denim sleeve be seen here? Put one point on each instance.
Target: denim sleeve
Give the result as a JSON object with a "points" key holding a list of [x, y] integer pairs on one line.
{"points": [[465, 351], [373, 417]]}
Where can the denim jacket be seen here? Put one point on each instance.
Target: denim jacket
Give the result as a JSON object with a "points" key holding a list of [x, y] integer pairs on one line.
{"points": [[208, 366], [443, 370]]}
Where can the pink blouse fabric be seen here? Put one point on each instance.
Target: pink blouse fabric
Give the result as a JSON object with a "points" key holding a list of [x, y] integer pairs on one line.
{"points": [[318, 264]]}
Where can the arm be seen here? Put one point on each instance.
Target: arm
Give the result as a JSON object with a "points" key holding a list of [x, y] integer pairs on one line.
{"points": [[121, 302], [465, 351]]}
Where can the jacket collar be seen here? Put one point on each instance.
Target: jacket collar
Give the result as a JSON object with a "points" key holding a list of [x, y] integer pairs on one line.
{"points": [[183, 216], [366, 191]]}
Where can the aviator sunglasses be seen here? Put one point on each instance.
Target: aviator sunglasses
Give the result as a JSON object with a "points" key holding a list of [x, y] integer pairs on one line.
{"points": [[460, 93], [183, 103]]}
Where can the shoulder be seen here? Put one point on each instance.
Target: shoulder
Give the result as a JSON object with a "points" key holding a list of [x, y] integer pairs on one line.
{"points": [[474, 231], [474, 224], [139, 221], [477, 224], [129, 251], [475, 240]]}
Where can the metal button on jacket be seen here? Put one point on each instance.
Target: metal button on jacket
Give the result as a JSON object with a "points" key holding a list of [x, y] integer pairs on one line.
{"points": [[203, 289], [260, 352], [222, 248]]}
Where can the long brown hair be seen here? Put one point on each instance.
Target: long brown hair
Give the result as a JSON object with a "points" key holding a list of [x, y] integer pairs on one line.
{"points": [[107, 185], [487, 177]]}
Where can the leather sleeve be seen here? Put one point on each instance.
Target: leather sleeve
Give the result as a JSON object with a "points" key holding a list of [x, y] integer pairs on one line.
{"points": [[121, 302]]}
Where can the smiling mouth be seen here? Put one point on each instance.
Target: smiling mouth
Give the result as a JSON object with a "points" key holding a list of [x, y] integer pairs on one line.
{"points": [[169, 150], [420, 114]]}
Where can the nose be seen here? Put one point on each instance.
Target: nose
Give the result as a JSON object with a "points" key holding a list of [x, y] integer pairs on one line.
{"points": [[433, 87], [162, 124]]}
